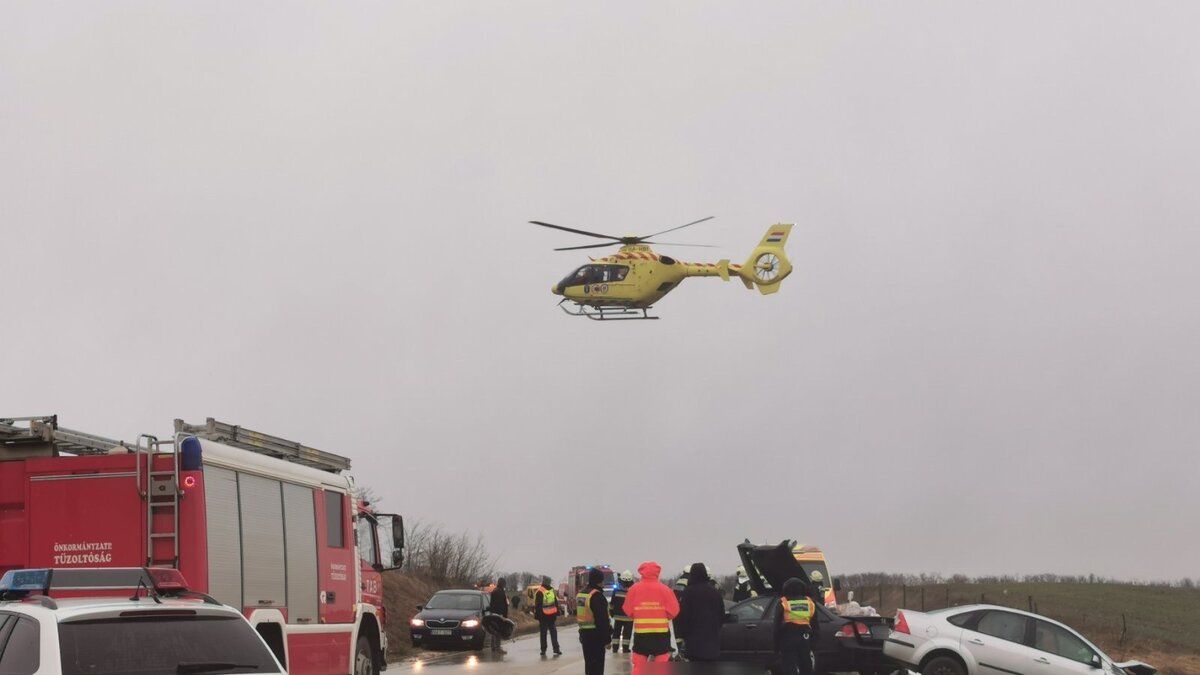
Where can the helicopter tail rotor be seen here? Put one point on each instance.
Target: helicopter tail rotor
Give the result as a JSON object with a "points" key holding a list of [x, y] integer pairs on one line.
{"points": [[768, 264]]}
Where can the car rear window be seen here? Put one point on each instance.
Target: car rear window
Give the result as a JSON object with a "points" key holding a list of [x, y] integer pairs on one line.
{"points": [[19, 648], [162, 645], [961, 620]]}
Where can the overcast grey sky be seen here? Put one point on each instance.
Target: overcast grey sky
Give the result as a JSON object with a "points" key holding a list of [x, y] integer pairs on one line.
{"points": [[310, 219]]}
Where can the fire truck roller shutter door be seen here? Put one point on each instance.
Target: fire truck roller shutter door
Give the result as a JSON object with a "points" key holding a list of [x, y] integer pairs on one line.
{"points": [[300, 528], [224, 535], [262, 541]]}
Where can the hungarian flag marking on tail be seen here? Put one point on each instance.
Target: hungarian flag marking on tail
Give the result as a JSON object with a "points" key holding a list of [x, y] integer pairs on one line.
{"points": [[776, 237]]}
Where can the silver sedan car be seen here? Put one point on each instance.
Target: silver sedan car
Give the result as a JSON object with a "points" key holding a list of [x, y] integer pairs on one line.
{"points": [[991, 640]]}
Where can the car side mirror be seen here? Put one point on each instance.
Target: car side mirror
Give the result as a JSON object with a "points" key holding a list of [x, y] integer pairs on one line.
{"points": [[837, 585], [1096, 661], [420, 607], [729, 618]]}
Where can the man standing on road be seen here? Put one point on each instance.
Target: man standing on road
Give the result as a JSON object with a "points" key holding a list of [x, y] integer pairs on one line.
{"points": [[498, 605], [545, 608], [594, 630], [622, 632], [701, 611], [797, 628], [652, 606]]}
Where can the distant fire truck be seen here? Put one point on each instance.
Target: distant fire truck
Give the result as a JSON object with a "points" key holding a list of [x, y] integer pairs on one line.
{"points": [[577, 579], [258, 522]]}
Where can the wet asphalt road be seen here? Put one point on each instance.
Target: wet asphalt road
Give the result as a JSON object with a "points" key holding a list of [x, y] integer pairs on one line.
{"points": [[522, 659]]}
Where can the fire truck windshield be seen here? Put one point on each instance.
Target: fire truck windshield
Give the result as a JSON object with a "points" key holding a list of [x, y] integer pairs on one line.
{"points": [[149, 645]]}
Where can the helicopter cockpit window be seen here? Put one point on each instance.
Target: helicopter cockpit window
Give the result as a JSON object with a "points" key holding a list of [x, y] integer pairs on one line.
{"points": [[596, 274], [614, 273], [588, 274]]}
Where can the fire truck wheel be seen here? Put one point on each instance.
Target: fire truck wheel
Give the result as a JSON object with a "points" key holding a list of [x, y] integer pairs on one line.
{"points": [[364, 662]]}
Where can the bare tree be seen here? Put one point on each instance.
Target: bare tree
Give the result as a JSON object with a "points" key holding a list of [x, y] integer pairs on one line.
{"points": [[446, 557], [367, 494]]}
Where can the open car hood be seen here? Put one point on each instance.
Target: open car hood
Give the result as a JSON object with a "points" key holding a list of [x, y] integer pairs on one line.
{"points": [[1136, 668], [768, 567]]}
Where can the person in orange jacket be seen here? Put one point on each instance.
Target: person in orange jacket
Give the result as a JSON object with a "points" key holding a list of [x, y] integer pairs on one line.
{"points": [[651, 605]]}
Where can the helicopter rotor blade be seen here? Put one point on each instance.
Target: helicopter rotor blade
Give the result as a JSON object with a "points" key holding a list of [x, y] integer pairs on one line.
{"points": [[570, 229], [663, 243], [576, 248], [694, 222]]}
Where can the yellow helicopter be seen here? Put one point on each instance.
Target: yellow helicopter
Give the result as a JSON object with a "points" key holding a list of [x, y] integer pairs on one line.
{"points": [[626, 285]]}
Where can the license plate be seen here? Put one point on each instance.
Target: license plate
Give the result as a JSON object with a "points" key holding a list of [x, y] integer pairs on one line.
{"points": [[440, 631]]}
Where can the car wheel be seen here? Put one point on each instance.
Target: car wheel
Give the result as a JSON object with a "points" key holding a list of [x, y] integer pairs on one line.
{"points": [[943, 665], [364, 662]]}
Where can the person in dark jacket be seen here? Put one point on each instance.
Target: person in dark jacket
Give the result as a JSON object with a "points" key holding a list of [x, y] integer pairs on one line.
{"points": [[797, 628], [594, 627], [622, 633], [498, 604], [545, 608], [701, 611]]}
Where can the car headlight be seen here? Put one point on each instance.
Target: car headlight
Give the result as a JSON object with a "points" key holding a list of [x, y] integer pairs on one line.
{"points": [[470, 623], [417, 623]]}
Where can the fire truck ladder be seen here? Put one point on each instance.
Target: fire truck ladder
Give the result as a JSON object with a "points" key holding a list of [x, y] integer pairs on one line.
{"points": [[45, 429], [161, 495], [263, 444]]}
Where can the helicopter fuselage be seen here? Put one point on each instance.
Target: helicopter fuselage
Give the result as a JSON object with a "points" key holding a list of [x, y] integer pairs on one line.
{"points": [[635, 277]]}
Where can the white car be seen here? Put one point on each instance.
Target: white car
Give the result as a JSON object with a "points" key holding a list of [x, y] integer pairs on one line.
{"points": [[167, 632], [991, 640]]}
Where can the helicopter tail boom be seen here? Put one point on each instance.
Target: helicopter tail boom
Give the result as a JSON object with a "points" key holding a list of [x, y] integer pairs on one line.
{"points": [[768, 264]]}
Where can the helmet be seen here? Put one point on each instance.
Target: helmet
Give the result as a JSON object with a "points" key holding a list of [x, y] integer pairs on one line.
{"points": [[741, 570], [626, 576], [816, 576], [687, 569]]}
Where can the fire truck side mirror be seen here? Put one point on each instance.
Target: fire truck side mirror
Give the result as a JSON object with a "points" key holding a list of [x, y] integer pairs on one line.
{"points": [[397, 536]]}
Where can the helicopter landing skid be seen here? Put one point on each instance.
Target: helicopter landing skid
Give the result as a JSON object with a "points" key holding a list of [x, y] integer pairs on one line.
{"points": [[607, 313]]}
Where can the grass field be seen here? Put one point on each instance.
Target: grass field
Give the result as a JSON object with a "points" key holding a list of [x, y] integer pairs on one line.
{"points": [[1161, 624]]}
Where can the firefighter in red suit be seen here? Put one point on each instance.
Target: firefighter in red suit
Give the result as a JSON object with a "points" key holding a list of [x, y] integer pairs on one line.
{"points": [[652, 606]]}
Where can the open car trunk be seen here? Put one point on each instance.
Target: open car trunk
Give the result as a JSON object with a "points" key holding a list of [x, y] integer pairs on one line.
{"points": [[769, 567]]}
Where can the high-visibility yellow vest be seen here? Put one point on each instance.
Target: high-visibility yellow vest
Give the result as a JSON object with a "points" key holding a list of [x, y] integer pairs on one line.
{"points": [[798, 612], [583, 603], [549, 602]]}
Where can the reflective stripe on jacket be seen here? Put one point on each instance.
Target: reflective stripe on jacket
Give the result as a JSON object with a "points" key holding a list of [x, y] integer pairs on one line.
{"points": [[648, 625]]}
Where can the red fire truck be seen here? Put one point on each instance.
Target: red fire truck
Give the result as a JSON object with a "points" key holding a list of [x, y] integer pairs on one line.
{"points": [[261, 523]]}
